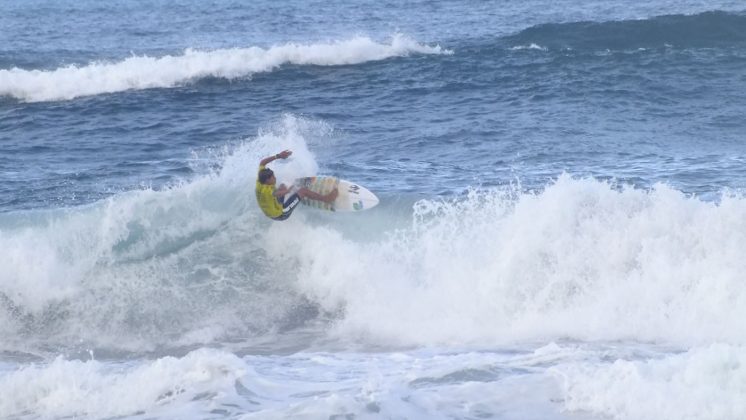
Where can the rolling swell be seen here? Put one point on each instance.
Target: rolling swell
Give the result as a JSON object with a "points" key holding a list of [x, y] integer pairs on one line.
{"points": [[714, 29]]}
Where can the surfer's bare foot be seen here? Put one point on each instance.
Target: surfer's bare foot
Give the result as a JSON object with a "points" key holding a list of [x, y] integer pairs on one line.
{"points": [[331, 196]]}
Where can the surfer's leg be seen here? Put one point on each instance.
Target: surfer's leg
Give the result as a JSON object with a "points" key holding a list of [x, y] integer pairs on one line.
{"points": [[326, 198], [288, 206]]}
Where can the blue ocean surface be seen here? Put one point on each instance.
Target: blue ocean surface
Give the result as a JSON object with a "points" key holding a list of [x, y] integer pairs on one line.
{"points": [[560, 233]]}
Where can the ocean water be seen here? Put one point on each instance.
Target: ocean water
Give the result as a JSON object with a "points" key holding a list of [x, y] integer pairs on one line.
{"points": [[560, 236]]}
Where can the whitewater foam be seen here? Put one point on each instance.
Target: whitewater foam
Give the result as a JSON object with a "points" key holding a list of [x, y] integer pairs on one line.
{"points": [[144, 72], [209, 382], [579, 259], [93, 389], [701, 383]]}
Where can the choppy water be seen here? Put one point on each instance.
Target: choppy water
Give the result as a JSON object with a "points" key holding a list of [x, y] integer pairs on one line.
{"points": [[559, 235]]}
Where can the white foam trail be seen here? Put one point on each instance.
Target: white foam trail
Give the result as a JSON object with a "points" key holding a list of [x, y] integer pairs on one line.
{"points": [[144, 72]]}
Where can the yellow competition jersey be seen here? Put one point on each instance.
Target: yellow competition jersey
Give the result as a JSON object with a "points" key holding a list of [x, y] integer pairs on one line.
{"points": [[267, 202]]}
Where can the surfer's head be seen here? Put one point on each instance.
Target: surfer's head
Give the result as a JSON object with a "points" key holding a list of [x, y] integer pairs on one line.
{"points": [[266, 176]]}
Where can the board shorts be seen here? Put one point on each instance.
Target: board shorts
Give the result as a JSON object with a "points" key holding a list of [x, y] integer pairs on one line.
{"points": [[288, 205]]}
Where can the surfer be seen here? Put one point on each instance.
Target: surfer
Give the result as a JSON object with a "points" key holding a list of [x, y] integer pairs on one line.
{"points": [[272, 199]]}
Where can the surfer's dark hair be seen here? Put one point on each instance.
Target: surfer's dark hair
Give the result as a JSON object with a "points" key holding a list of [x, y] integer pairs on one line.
{"points": [[264, 175]]}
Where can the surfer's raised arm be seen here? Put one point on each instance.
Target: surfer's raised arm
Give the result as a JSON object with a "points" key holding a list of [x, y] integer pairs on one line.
{"points": [[282, 155]]}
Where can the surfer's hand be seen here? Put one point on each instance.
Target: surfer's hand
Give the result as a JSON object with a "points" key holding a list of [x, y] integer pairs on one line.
{"points": [[284, 154]]}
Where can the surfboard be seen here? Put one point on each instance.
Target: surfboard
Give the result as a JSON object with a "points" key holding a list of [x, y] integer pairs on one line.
{"points": [[352, 197]]}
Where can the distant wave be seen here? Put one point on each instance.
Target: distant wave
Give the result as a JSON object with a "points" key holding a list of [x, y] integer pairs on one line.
{"points": [[709, 29], [144, 72]]}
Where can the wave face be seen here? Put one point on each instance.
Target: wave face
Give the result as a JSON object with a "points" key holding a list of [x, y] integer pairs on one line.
{"points": [[144, 72], [197, 263]]}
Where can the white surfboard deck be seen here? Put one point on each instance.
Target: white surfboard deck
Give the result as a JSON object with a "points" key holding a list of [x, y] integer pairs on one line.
{"points": [[352, 197]]}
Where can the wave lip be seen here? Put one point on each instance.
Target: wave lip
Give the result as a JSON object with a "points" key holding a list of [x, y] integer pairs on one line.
{"points": [[145, 72]]}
